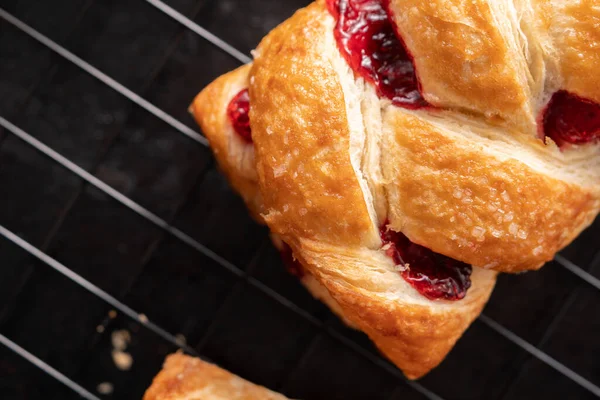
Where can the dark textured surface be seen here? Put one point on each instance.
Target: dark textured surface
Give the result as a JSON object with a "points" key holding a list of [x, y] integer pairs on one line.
{"points": [[176, 286]]}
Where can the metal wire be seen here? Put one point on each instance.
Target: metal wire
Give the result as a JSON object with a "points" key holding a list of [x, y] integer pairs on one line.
{"points": [[577, 270], [101, 76], [95, 290], [198, 246], [47, 368], [540, 355], [210, 37]]}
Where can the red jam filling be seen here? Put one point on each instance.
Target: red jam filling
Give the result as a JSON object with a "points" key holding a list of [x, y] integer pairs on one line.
{"points": [[433, 275], [367, 40], [570, 119], [293, 266], [237, 111]]}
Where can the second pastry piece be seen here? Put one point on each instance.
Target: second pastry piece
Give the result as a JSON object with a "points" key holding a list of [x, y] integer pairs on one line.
{"points": [[188, 378]]}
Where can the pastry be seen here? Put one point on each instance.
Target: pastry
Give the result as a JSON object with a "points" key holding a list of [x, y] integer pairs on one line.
{"points": [[406, 152], [184, 377]]}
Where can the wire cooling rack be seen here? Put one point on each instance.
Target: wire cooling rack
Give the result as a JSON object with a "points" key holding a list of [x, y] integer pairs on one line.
{"points": [[332, 331]]}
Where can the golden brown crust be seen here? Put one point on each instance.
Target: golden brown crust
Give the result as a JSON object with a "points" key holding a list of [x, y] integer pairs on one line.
{"points": [[234, 155], [412, 337], [301, 136], [189, 378], [470, 205], [464, 56]]}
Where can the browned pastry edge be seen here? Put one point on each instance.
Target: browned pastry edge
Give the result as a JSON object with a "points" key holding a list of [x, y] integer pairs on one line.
{"points": [[189, 378], [415, 336], [235, 157]]}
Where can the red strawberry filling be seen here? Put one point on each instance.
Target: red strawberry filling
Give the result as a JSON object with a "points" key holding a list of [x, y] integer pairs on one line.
{"points": [[366, 38], [433, 275], [237, 111], [570, 119]]}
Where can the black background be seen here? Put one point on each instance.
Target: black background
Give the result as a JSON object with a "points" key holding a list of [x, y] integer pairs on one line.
{"points": [[174, 285]]}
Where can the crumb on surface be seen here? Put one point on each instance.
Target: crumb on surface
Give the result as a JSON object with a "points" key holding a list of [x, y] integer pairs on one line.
{"points": [[122, 360], [120, 339]]}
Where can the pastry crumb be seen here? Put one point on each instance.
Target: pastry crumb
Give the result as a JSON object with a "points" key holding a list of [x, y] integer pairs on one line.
{"points": [[120, 339], [122, 360]]}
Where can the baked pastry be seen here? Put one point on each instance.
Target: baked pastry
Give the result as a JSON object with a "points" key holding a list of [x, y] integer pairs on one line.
{"points": [[184, 377], [405, 151]]}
